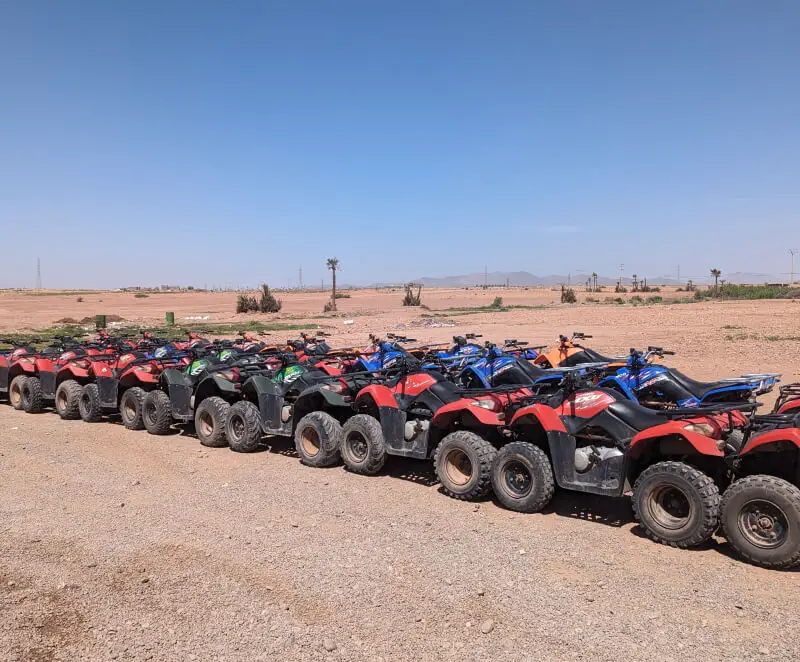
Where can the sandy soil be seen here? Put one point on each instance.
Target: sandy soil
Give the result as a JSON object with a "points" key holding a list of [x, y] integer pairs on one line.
{"points": [[120, 545]]}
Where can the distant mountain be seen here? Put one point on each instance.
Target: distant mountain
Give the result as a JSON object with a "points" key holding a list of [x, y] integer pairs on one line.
{"points": [[525, 278]]}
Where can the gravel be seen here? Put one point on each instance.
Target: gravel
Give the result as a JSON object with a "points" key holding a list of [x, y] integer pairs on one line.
{"points": [[256, 557]]}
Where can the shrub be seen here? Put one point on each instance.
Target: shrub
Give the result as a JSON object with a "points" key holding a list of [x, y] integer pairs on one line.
{"points": [[568, 296], [329, 306], [655, 299], [591, 300], [79, 299], [497, 303], [636, 299], [268, 303], [410, 298], [140, 295], [342, 295], [620, 288], [732, 291], [246, 304], [619, 300]]}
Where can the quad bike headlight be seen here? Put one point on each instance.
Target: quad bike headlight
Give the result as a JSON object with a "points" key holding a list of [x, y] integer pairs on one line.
{"points": [[706, 429], [491, 405]]}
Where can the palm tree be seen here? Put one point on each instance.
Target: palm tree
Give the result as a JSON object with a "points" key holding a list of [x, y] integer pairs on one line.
{"points": [[594, 281], [716, 273], [333, 265]]}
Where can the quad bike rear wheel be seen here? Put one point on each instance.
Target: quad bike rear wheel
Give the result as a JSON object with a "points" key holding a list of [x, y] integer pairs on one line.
{"points": [[363, 447], [32, 401], [209, 422], [676, 504], [761, 520], [89, 404], [318, 438], [522, 477], [243, 427], [67, 395], [15, 391], [157, 413], [463, 463], [131, 408]]}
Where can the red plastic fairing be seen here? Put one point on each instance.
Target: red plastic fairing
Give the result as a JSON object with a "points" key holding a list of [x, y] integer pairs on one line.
{"points": [[446, 414], [702, 444], [792, 435], [381, 395], [414, 384], [586, 404], [547, 416], [790, 406]]}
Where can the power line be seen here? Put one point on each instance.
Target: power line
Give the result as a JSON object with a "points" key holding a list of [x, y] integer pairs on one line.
{"points": [[38, 273], [792, 252]]}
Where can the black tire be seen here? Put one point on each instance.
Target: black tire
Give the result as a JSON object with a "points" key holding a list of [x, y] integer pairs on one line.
{"points": [[761, 520], [463, 462], [67, 395], [15, 391], [89, 404], [676, 504], [131, 408], [317, 438], [522, 477], [243, 427], [157, 413], [363, 448], [209, 422], [32, 395]]}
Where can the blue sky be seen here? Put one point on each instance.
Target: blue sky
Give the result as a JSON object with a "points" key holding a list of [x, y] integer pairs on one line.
{"points": [[229, 143]]}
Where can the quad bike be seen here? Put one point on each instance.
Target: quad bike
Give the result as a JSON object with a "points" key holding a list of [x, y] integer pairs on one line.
{"points": [[568, 353], [658, 387], [202, 391], [300, 400], [8, 384], [760, 509], [788, 401]]}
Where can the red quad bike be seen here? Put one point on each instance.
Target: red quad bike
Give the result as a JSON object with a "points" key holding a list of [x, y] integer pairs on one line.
{"points": [[421, 414], [11, 382], [594, 440], [760, 510]]}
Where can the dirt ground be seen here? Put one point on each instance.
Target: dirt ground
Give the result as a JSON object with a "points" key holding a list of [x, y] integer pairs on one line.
{"points": [[117, 545]]}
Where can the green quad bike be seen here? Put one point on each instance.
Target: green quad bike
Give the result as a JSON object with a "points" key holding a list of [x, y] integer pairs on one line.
{"points": [[202, 392], [306, 401]]}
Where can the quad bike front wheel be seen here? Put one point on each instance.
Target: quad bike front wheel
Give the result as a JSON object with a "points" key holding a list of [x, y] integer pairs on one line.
{"points": [[32, 401], [463, 462], [157, 413], [522, 477], [89, 404], [15, 391], [363, 447], [67, 395], [131, 408], [209, 422], [317, 438], [761, 520], [243, 427], [676, 504]]}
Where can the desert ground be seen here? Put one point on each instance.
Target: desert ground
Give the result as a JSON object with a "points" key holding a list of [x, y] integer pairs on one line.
{"points": [[117, 545]]}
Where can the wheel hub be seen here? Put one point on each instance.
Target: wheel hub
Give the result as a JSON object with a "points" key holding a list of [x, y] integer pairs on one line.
{"points": [[764, 524]]}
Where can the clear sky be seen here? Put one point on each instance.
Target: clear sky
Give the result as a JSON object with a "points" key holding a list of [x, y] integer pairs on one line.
{"points": [[226, 143]]}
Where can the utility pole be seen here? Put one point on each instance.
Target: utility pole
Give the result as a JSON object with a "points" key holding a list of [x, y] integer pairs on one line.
{"points": [[485, 276], [792, 252], [39, 273], [300, 276], [679, 274]]}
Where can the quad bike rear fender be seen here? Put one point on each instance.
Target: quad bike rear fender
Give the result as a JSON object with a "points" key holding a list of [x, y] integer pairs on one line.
{"points": [[674, 435]]}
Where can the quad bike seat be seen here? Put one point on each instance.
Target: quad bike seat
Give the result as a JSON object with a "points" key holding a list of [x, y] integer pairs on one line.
{"points": [[638, 417], [698, 389]]}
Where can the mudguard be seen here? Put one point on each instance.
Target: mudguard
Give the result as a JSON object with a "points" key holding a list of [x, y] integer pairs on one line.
{"points": [[25, 365], [48, 381], [702, 444], [606, 478], [107, 388], [179, 390], [445, 416], [133, 377], [789, 406], [72, 371], [269, 397], [781, 437], [381, 395], [546, 416]]}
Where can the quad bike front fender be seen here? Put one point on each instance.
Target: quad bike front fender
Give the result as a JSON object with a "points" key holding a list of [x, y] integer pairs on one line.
{"points": [[269, 397], [792, 406], [772, 440], [380, 395], [446, 416], [675, 431], [545, 416]]}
